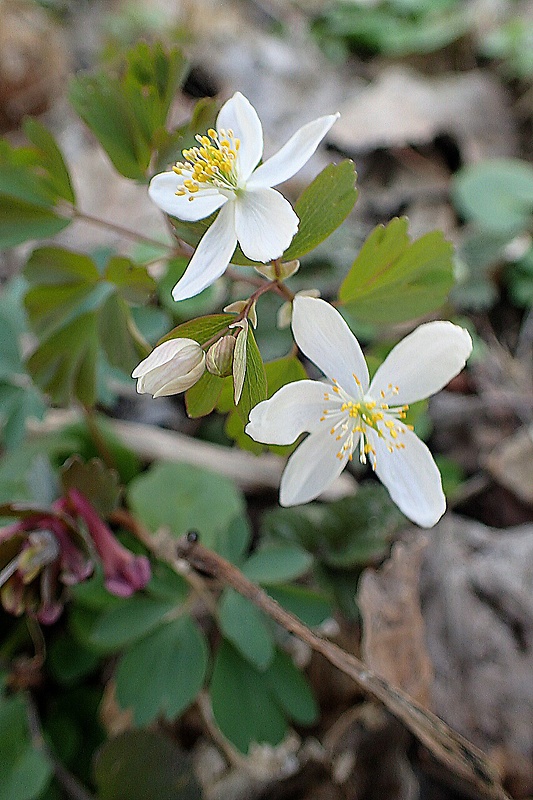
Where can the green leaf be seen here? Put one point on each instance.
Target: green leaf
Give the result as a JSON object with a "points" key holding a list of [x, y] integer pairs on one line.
{"points": [[32, 181], [496, 194], [20, 222], [202, 329], [393, 279], [174, 657], [118, 336], [68, 661], [19, 398], [132, 281], [291, 690], [254, 385], [100, 102], [126, 623], [201, 398], [312, 607], [174, 496], [51, 159], [348, 532], [243, 704], [277, 564], [76, 311], [127, 113], [64, 364], [166, 584], [25, 770], [98, 483], [144, 765], [282, 371], [245, 627], [322, 207]]}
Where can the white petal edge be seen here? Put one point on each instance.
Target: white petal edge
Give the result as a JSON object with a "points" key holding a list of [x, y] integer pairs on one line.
{"points": [[182, 383], [424, 362], [162, 191], [323, 335], [294, 409], [161, 354], [265, 224], [311, 469], [412, 478], [211, 257], [239, 115], [294, 154]]}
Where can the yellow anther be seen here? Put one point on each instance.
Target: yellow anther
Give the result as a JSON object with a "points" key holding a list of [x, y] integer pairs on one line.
{"points": [[212, 133]]}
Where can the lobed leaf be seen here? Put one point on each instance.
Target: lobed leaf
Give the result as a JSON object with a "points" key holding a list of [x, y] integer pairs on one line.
{"points": [[175, 657], [246, 628], [127, 112], [393, 279]]}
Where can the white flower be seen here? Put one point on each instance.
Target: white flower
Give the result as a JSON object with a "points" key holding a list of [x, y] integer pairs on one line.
{"points": [[173, 366], [348, 413], [220, 173]]}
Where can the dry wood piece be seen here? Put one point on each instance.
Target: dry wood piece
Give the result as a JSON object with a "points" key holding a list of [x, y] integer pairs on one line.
{"points": [[511, 464], [477, 603], [394, 643]]}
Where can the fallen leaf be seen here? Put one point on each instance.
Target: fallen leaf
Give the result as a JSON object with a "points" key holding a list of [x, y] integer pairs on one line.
{"points": [[402, 108]]}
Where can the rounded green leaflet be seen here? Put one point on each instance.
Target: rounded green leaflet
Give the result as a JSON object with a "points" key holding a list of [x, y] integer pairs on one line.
{"points": [[175, 658], [497, 194]]}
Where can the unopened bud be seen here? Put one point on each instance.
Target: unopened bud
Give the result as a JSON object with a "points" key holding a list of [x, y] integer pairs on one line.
{"points": [[219, 357], [173, 366]]}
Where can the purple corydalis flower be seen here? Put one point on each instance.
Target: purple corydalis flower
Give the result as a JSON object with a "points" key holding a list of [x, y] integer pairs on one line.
{"points": [[124, 572]]}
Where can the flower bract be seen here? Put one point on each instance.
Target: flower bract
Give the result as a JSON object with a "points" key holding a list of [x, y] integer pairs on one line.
{"points": [[221, 172], [173, 366], [347, 413]]}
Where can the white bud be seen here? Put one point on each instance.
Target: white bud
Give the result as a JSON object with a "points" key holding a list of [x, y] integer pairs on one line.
{"points": [[219, 358], [173, 366]]}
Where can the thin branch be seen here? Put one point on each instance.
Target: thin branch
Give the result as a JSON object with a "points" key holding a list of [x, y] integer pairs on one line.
{"points": [[129, 234], [447, 746]]}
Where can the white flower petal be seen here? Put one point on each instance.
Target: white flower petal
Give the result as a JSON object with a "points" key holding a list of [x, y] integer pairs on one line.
{"points": [[294, 154], [211, 257], [162, 191], [265, 223], [239, 115], [294, 409], [423, 363], [162, 354], [325, 338], [311, 469], [411, 477], [180, 383]]}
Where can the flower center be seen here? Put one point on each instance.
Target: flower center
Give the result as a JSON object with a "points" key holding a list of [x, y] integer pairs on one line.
{"points": [[353, 418], [213, 164]]}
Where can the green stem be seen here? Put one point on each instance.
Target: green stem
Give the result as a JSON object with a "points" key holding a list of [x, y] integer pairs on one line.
{"points": [[98, 440], [135, 235]]}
